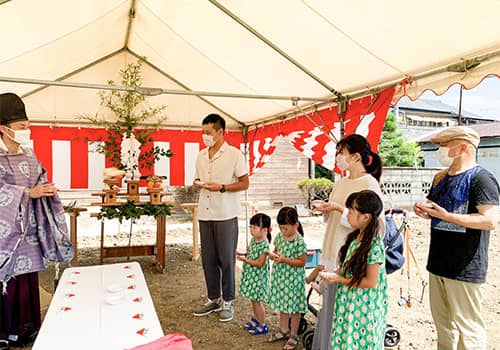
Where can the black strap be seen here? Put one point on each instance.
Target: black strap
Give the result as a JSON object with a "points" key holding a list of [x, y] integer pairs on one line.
{"points": [[395, 238], [400, 229]]}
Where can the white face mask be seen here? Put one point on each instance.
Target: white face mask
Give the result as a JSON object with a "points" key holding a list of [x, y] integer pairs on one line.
{"points": [[208, 140], [341, 162], [21, 137], [443, 158]]}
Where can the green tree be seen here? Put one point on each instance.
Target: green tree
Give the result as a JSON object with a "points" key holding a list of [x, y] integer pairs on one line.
{"points": [[321, 171], [315, 188], [394, 149]]}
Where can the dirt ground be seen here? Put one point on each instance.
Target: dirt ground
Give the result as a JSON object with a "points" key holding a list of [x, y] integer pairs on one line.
{"points": [[176, 292]]}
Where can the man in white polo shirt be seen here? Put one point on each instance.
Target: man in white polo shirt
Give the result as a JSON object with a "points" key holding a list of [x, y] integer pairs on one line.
{"points": [[221, 173]]}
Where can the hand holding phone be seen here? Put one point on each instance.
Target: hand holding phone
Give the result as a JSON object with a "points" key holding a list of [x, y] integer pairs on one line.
{"points": [[199, 183], [427, 205]]}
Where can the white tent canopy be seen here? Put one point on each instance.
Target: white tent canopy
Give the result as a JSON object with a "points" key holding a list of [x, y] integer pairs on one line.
{"points": [[305, 48]]}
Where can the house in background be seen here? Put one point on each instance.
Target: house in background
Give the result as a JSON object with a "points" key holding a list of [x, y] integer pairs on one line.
{"points": [[424, 116], [488, 153]]}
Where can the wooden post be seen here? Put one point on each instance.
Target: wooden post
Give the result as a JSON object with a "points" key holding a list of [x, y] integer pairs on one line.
{"points": [[161, 224], [73, 227], [101, 256], [193, 207]]}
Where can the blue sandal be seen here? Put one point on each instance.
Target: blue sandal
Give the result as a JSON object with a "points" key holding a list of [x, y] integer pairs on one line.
{"points": [[252, 324], [260, 329]]}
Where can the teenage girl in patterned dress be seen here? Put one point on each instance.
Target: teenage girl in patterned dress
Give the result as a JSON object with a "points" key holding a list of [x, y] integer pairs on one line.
{"points": [[288, 291], [254, 283], [361, 300]]}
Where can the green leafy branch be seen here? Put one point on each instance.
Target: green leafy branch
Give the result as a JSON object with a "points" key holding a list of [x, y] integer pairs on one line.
{"points": [[132, 211], [130, 115]]}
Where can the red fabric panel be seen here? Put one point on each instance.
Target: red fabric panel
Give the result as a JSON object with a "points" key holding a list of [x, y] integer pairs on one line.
{"points": [[42, 145], [79, 167]]}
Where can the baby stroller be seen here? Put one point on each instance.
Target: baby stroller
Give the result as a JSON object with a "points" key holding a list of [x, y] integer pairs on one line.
{"points": [[312, 260], [395, 259]]}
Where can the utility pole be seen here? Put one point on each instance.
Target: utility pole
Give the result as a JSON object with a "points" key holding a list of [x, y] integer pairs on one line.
{"points": [[460, 106]]}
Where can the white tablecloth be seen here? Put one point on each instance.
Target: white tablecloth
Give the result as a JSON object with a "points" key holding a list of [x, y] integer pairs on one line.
{"points": [[80, 318]]}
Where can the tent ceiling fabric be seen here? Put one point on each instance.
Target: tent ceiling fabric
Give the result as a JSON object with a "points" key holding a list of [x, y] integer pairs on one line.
{"points": [[192, 44]]}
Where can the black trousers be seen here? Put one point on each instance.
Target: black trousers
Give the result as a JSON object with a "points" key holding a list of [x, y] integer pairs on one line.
{"points": [[20, 307]]}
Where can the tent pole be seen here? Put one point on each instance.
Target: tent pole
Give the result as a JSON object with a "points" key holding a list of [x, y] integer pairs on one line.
{"points": [[460, 106], [157, 91], [185, 87], [245, 142], [86, 124], [275, 48], [66, 76], [131, 17]]}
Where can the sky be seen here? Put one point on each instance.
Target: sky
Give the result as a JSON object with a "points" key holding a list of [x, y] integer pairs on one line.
{"points": [[483, 100]]}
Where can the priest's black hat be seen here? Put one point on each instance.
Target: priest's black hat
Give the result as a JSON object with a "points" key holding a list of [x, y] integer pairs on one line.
{"points": [[11, 109]]}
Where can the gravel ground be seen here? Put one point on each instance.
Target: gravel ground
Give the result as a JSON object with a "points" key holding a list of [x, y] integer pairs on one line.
{"points": [[177, 291]]}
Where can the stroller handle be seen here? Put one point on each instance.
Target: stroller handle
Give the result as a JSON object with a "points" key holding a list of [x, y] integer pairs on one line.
{"points": [[398, 211]]}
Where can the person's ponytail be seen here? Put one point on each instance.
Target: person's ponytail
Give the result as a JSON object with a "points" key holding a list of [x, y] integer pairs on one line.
{"points": [[373, 165]]}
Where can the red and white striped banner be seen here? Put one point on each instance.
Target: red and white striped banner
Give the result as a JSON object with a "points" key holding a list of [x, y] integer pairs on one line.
{"points": [[67, 152]]}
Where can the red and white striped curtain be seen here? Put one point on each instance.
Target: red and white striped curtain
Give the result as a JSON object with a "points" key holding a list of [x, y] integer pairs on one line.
{"points": [[67, 152]]}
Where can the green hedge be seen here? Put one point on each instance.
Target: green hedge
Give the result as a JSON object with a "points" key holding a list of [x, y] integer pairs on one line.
{"points": [[319, 188]]}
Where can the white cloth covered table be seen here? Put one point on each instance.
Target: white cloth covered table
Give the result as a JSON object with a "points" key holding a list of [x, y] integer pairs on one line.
{"points": [[80, 318]]}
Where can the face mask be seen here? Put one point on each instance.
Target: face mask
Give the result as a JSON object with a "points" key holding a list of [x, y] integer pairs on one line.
{"points": [[21, 137], [208, 140], [341, 162], [443, 158]]}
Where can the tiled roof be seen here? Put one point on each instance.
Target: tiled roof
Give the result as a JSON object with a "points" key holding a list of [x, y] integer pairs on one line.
{"points": [[438, 106], [484, 130]]}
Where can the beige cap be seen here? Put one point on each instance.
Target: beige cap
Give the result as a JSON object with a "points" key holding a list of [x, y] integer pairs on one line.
{"points": [[457, 133]]}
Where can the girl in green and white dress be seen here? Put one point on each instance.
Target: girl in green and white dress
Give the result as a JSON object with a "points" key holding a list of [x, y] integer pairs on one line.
{"points": [[359, 318], [254, 283], [288, 291]]}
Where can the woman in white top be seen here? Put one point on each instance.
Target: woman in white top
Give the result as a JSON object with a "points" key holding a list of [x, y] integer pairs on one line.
{"points": [[364, 169]]}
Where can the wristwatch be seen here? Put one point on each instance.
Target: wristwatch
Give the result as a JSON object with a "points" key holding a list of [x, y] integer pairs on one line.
{"points": [[223, 189]]}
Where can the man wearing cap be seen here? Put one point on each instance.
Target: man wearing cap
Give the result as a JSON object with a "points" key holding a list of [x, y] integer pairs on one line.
{"points": [[463, 208], [32, 226]]}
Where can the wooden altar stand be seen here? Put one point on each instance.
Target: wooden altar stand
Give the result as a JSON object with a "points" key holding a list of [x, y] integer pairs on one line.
{"points": [[158, 249]]}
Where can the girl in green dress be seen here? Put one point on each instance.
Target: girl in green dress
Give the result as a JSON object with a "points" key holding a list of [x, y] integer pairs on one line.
{"points": [[288, 291], [359, 318], [254, 283]]}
